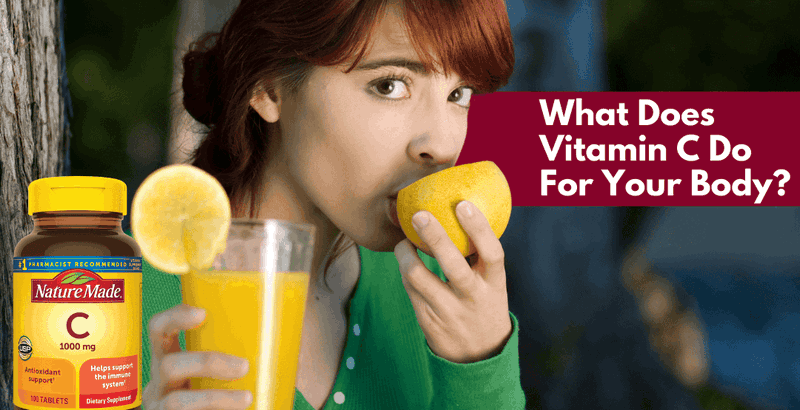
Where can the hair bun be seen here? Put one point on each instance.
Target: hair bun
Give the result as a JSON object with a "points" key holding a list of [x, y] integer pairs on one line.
{"points": [[201, 83]]}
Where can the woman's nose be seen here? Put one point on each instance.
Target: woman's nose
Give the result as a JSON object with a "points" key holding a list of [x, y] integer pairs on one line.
{"points": [[440, 134]]}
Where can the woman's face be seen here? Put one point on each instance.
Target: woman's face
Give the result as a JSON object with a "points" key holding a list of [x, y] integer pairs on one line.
{"points": [[351, 141]]}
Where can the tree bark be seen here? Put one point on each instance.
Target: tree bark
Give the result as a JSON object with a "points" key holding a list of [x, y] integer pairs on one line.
{"points": [[34, 135]]}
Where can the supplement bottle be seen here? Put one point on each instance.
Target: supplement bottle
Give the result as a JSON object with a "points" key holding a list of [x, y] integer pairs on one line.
{"points": [[77, 299]]}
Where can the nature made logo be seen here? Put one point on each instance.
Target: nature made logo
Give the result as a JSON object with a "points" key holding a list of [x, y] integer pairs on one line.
{"points": [[77, 286]]}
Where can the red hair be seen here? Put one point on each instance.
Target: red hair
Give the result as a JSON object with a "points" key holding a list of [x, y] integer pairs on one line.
{"points": [[274, 43]]}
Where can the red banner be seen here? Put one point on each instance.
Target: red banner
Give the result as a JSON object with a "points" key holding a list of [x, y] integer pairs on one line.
{"points": [[640, 149]]}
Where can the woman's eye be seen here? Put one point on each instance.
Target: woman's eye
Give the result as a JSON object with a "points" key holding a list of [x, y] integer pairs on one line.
{"points": [[391, 88], [461, 96]]}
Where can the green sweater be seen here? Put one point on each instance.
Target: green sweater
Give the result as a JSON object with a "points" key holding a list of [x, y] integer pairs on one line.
{"points": [[386, 363]]}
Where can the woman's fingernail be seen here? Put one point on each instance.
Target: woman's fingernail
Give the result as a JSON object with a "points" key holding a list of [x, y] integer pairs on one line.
{"points": [[403, 262], [464, 208], [247, 397], [196, 312], [241, 364], [420, 220]]}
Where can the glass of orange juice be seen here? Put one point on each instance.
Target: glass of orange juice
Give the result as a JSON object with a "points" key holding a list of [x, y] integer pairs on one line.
{"points": [[255, 296]]}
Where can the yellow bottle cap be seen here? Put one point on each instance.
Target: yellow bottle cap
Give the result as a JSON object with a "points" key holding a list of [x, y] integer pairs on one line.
{"points": [[77, 194]]}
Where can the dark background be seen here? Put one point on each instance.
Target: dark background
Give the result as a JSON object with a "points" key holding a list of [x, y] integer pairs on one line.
{"points": [[119, 63]]}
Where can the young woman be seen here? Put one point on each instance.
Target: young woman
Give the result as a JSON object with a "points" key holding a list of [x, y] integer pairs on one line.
{"points": [[320, 112]]}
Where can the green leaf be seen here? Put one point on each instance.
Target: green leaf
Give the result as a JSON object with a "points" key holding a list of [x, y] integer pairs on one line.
{"points": [[81, 280], [66, 280]]}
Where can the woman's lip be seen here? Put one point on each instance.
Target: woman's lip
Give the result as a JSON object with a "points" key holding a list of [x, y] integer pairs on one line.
{"points": [[392, 211]]}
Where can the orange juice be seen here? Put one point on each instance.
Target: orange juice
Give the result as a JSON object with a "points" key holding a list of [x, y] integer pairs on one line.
{"points": [[255, 315]]}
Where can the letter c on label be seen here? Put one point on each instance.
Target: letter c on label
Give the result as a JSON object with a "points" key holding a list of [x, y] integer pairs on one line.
{"points": [[69, 325]]}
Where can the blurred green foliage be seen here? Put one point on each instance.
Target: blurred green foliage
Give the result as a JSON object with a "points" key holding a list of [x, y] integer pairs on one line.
{"points": [[119, 68], [703, 45], [712, 399]]}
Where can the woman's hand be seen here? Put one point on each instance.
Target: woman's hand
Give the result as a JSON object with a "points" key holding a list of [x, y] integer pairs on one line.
{"points": [[171, 368], [466, 319]]}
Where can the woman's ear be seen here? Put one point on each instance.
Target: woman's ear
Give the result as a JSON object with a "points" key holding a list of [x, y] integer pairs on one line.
{"points": [[267, 104]]}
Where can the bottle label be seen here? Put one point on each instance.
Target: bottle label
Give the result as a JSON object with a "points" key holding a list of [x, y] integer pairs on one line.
{"points": [[77, 332]]}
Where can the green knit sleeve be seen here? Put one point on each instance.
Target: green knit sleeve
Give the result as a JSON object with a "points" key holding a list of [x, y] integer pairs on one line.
{"points": [[160, 291], [492, 383]]}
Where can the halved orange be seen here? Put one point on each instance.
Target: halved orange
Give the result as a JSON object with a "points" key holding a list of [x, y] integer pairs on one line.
{"points": [[481, 183]]}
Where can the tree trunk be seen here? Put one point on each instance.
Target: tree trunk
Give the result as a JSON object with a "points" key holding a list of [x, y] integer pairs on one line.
{"points": [[34, 135]]}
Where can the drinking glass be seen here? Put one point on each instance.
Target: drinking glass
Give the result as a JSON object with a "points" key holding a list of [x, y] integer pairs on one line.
{"points": [[255, 296]]}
